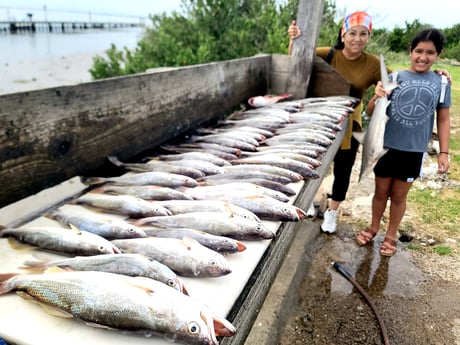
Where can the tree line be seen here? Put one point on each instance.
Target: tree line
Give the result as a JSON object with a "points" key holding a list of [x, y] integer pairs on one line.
{"points": [[215, 30]]}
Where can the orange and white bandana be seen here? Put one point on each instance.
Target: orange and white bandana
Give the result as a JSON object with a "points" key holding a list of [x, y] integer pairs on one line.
{"points": [[357, 18]]}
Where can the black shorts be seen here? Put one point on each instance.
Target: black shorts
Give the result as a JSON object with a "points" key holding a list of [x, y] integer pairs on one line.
{"points": [[402, 165]]}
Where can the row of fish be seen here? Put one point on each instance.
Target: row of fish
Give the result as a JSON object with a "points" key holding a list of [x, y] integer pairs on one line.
{"points": [[181, 213]]}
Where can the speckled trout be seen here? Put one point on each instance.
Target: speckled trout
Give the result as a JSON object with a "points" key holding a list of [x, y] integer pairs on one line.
{"points": [[62, 240], [119, 302], [132, 265]]}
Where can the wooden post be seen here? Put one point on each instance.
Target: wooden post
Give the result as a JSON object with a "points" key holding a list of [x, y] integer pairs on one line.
{"points": [[309, 16]]}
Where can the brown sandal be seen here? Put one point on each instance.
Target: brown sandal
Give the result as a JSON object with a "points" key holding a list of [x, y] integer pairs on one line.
{"points": [[389, 247], [365, 236]]}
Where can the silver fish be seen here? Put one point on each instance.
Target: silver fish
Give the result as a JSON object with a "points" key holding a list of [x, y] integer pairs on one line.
{"points": [[215, 223], [221, 244], [158, 166], [244, 187], [122, 204], [270, 169], [225, 141], [262, 182], [109, 229], [263, 206], [133, 265], [186, 257], [119, 302], [211, 146], [304, 169], [218, 153], [194, 155], [156, 178], [62, 240], [372, 139], [144, 192], [208, 168], [187, 206], [243, 172]]}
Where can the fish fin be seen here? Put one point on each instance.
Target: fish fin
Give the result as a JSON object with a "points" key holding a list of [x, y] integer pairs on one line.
{"points": [[4, 286], [359, 136], [18, 245], [49, 309], [98, 325], [223, 328], [228, 208], [188, 242], [54, 269], [74, 228]]}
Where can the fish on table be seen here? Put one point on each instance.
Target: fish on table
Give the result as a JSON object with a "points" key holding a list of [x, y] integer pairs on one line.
{"points": [[216, 223], [187, 206], [261, 101], [133, 265], [61, 240], [121, 204], [233, 186], [265, 207], [306, 170], [193, 155], [157, 193], [107, 228], [220, 244], [186, 257], [292, 176], [121, 303], [157, 166], [156, 178]]}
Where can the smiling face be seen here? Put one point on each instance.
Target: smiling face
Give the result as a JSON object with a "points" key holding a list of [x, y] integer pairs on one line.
{"points": [[355, 40], [423, 56]]}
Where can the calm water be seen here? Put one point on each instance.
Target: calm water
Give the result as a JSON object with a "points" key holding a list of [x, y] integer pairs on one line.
{"points": [[27, 47]]}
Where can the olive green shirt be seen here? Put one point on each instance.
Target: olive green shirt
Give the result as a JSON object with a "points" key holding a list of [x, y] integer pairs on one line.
{"points": [[361, 73]]}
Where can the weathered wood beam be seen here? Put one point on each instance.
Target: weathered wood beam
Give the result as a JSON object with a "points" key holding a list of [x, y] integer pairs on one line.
{"points": [[309, 16]]}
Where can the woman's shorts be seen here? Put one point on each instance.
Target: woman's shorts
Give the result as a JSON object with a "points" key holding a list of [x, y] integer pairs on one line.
{"points": [[402, 165]]}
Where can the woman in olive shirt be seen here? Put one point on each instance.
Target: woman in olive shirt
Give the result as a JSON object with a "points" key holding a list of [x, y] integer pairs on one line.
{"points": [[362, 70]]}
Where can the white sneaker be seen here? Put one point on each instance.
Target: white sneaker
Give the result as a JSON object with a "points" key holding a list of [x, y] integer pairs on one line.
{"points": [[330, 221], [311, 212]]}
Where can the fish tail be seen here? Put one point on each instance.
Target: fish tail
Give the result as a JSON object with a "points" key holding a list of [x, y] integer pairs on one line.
{"points": [[5, 285], [114, 160]]}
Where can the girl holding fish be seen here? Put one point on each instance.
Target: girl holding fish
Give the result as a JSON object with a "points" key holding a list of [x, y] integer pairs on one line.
{"points": [[419, 94]]}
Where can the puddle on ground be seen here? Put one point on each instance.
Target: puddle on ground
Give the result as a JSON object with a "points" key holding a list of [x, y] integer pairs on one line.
{"points": [[378, 275]]}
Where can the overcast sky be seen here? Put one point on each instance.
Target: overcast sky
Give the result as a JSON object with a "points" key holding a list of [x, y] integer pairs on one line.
{"points": [[385, 13]]}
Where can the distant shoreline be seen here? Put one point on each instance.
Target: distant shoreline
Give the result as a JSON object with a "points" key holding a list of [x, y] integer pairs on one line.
{"points": [[43, 73]]}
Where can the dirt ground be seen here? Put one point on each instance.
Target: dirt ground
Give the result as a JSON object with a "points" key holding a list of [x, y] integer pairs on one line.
{"points": [[416, 294]]}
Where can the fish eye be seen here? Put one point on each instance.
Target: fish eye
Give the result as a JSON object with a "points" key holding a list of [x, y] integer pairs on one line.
{"points": [[258, 228], [213, 262], [193, 328], [171, 283], [131, 230], [101, 249]]}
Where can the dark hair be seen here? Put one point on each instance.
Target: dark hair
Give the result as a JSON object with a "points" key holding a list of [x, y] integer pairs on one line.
{"points": [[339, 43], [429, 35]]}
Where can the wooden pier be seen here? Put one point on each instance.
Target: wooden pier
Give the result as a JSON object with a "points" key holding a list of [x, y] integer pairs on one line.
{"points": [[14, 27]]}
